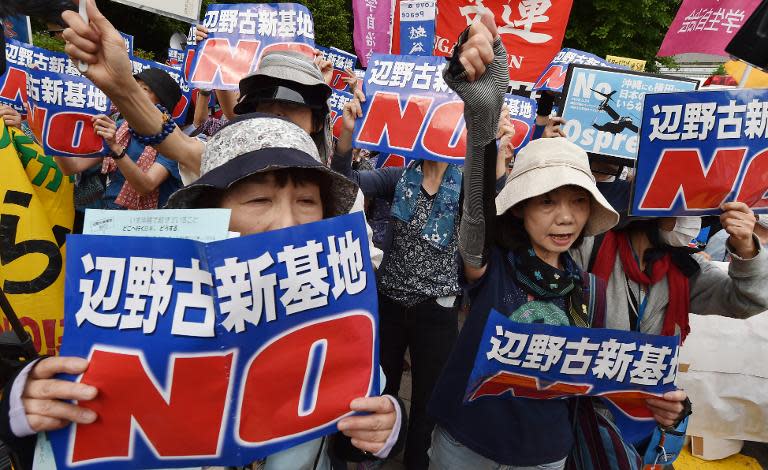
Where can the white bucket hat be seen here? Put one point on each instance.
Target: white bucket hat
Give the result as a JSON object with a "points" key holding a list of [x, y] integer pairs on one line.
{"points": [[547, 164]]}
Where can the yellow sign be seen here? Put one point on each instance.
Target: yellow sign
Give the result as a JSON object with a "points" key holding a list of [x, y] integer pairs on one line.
{"points": [[36, 214], [634, 64], [756, 79]]}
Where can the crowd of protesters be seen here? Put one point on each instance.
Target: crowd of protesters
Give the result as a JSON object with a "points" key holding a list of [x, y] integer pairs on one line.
{"points": [[544, 232]]}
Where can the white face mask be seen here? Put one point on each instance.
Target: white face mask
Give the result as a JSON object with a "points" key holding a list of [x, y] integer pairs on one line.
{"points": [[686, 229]]}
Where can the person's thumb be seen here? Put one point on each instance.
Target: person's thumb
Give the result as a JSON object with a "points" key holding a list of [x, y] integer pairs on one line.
{"points": [[97, 18]]}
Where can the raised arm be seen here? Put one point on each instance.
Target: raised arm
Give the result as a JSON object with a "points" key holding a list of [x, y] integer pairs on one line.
{"points": [[478, 73], [100, 46], [373, 183]]}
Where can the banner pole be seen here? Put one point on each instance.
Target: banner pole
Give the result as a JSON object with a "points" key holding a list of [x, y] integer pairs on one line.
{"points": [[745, 76]]}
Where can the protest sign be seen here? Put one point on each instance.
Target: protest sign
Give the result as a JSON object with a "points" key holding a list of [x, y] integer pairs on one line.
{"points": [[701, 149], [532, 32], [341, 60], [391, 160], [336, 103], [220, 353], [417, 27], [36, 214], [22, 57], [410, 111], [706, 26], [62, 107], [175, 58], [203, 225], [372, 28], [188, 10], [179, 113], [553, 78], [18, 28], [602, 108], [634, 64], [536, 360], [128, 40], [240, 34]]}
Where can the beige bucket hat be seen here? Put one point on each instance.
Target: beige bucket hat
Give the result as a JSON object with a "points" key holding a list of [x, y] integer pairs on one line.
{"points": [[547, 164]]}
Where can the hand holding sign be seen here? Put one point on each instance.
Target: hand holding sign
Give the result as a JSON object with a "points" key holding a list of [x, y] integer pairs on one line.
{"points": [[11, 117], [668, 409], [101, 46], [44, 396], [554, 128], [370, 432], [739, 221], [325, 66], [477, 52], [106, 129]]}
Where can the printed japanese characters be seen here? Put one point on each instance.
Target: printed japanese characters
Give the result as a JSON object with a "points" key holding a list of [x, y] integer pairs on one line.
{"points": [[532, 30], [280, 327], [602, 107], [410, 111], [238, 35], [718, 137], [543, 361]]}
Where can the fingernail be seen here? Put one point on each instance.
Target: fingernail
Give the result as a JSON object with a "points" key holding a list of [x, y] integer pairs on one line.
{"points": [[88, 416]]}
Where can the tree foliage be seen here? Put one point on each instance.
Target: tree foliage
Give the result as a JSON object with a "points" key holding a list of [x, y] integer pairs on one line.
{"points": [[629, 29]]}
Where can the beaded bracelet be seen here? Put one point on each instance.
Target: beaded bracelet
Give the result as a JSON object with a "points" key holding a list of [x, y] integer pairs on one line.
{"points": [[168, 127]]}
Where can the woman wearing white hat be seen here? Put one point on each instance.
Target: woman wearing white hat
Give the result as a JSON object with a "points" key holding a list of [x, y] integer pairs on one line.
{"points": [[516, 263]]}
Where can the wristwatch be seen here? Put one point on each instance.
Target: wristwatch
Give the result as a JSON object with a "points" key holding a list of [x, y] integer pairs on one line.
{"points": [[120, 155]]}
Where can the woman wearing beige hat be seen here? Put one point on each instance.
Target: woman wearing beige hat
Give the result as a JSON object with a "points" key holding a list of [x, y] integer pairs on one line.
{"points": [[515, 260], [516, 263]]}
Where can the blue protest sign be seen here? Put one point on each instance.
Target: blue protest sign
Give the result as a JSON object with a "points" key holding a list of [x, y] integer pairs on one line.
{"points": [[128, 40], [62, 107], [410, 111], [701, 149], [179, 113], [218, 353], [603, 108], [336, 103], [553, 77], [22, 57], [341, 60], [175, 58], [541, 361], [240, 34], [18, 28], [417, 27]]}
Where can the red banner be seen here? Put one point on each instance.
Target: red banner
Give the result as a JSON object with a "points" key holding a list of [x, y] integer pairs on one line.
{"points": [[532, 30]]}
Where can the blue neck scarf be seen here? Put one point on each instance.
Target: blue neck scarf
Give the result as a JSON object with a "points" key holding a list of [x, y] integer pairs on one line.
{"points": [[439, 228]]}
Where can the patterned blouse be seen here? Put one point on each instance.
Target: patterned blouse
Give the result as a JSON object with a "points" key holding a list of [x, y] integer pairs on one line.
{"points": [[415, 270]]}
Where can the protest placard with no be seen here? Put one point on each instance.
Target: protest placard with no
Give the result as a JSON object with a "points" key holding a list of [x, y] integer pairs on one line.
{"points": [[553, 77], [602, 108], [195, 347], [61, 110], [701, 149], [536, 360], [411, 111], [239, 35], [341, 61]]}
